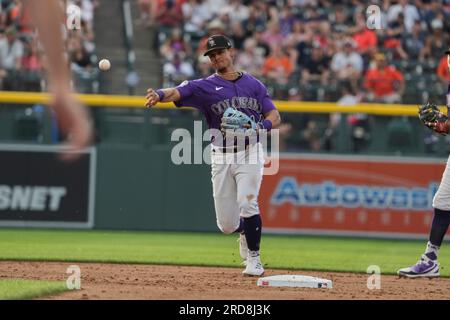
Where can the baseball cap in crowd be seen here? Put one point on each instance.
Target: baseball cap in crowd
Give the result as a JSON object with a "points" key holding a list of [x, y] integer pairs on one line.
{"points": [[217, 41], [437, 24], [216, 24], [379, 57]]}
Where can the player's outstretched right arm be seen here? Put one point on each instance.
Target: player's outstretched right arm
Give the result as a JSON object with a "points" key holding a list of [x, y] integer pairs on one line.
{"points": [[161, 95]]}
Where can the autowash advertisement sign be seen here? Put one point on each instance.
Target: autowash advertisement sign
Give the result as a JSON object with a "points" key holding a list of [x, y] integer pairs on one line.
{"points": [[354, 196], [39, 190]]}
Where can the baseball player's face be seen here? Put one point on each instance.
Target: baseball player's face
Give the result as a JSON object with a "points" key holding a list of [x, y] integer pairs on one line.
{"points": [[221, 59]]}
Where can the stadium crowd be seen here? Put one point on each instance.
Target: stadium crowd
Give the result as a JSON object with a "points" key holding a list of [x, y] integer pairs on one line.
{"points": [[21, 62], [314, 50]]}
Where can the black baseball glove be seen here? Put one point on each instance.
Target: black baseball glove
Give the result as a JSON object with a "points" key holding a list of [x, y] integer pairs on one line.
{"points": [[431, 117]]}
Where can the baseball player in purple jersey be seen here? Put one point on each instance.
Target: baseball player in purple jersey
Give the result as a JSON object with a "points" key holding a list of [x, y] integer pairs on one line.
{"points": [[428, 265], [235, 185]]}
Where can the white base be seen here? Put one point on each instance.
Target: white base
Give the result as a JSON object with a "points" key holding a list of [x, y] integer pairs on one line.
{"points": [[288, 280]]}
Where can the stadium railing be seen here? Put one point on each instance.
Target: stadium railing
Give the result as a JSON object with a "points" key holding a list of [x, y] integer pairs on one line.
{"points": [[123, 120]]}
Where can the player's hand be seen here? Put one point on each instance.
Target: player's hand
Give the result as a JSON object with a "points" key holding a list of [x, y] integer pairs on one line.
{"points": [[152, 98], [73, 121], [438, 126]]}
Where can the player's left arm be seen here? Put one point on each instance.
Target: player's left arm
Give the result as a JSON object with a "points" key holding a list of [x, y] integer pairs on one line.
{"points": [[274, 117]]}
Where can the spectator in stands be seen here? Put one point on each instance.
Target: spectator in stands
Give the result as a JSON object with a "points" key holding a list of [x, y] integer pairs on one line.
{"points": [[196, 14], [304, 48], [366, 40], [312, 136], [340, 22], [392, 42], [237, 35], [317, 68], [11, 53], [442, 70], [177, 70], [287, 20], [277, 68], [261, 46], [250, 59], [216, 6], [436, 43], [384, 83], [175, 44], [31, 67], [257, 18], [19, 17], [284, 131], [87, 12], [169, 13], [78, 53], [409, 11], [82, 65], [273, 36], [290, 48], [433, 10], [299, 33], [347, 64], [237, 11], [414, 42]]}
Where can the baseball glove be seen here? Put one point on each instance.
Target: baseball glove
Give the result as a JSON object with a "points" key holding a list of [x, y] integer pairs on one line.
{"points": [[237, 122], [431, 117]]}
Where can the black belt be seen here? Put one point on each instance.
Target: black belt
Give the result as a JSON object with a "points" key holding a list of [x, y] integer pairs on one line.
{"points": [[233, 149]]}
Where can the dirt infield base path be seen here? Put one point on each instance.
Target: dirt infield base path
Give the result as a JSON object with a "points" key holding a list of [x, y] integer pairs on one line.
{"points": [[155, 282]]}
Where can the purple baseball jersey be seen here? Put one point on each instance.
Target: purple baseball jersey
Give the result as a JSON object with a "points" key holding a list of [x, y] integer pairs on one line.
{"points": [[213, 95], [448, 99]]}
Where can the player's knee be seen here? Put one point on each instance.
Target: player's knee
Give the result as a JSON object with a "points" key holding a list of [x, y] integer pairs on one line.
{"points": [[227, 227], [248, 208]]}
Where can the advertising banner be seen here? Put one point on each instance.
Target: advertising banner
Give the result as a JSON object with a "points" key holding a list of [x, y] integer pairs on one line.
{"points": [[352, 196], [38, 189]]}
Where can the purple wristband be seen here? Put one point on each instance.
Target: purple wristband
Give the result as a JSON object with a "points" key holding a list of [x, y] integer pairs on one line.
{"points": [[161, 94], [266, 124]]}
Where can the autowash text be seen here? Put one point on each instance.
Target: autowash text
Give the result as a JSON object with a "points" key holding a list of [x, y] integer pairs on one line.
{"points": [[331, 194], [35, 198]]}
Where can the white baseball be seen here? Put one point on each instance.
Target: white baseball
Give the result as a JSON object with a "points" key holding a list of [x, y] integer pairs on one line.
{"points": [[104, 64]]}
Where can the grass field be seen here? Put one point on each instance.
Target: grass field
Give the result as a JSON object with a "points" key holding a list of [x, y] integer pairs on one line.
{"points": [[18, 289], [212, 249]]}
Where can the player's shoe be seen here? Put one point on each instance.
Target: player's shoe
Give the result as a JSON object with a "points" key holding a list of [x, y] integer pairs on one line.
{"points": [[253, 267], [424, 268], [243, 248]]}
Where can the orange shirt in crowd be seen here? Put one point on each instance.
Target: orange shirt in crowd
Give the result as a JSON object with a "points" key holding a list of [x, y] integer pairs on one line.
{"points": [[365, 40], [272, 63], [381, 82], [172, 17], [442, 70]]}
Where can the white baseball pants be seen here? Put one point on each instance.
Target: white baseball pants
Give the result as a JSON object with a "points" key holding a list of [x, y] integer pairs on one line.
{"points": [[441, 199], [236, 179]]}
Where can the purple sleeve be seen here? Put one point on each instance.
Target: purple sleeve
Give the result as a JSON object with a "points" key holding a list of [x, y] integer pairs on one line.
{"points": [[264, 98], [188, 91], [448, 99]]}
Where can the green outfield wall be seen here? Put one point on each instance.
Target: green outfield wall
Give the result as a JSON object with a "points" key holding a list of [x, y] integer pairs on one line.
{"points": [[141, 189]]}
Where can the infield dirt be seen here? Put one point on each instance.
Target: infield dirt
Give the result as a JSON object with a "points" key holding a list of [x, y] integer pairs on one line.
{"points": [[160, 282]]}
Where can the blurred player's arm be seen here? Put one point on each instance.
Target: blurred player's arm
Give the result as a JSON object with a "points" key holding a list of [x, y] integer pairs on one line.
{"points": [[73, 120], [161, 95]]}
